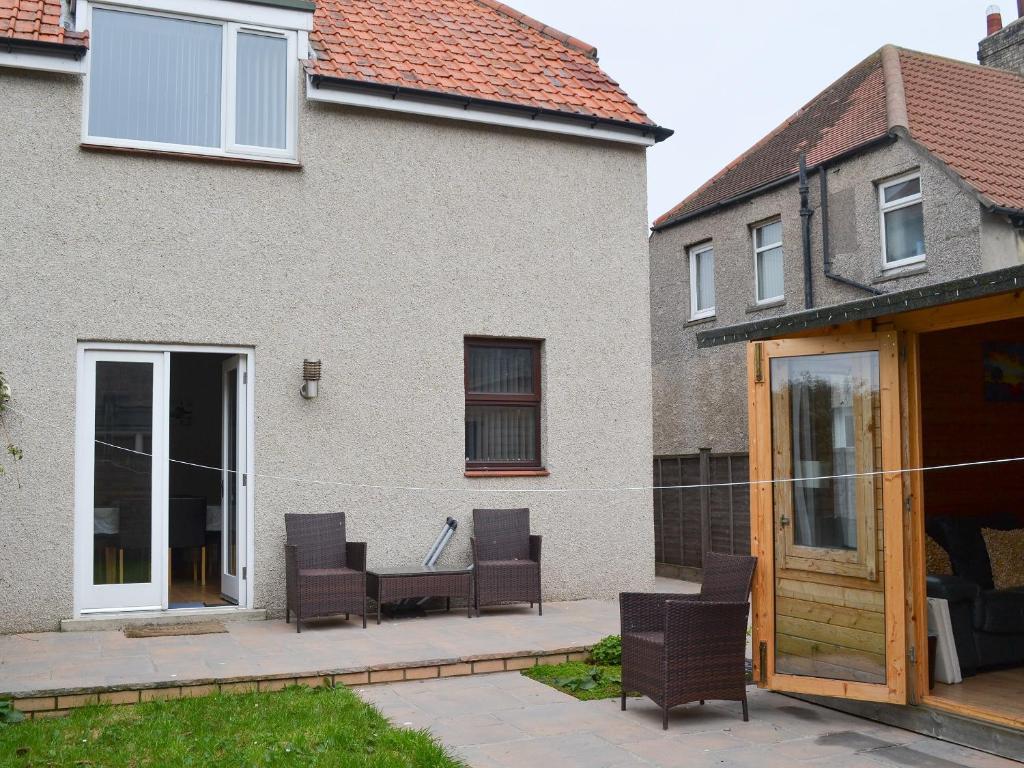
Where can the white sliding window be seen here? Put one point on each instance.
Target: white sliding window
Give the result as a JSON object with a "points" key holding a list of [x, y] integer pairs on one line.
{"points": [[187, 85], [702, 281], [768, 262]]}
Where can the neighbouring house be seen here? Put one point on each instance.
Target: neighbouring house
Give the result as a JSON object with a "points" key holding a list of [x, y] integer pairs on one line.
{"points": [[843, 307], [429, 216]]}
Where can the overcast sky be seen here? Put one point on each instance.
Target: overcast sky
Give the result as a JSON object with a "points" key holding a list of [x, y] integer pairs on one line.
{"points": [[723, 74]]}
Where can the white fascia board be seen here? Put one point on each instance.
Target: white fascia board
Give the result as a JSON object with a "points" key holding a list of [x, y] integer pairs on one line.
{"points": [[400, 103], [220, 10], [42, 61]]}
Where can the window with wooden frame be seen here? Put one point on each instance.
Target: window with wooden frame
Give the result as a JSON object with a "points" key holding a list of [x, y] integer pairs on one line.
{"points": [[503, 399]]}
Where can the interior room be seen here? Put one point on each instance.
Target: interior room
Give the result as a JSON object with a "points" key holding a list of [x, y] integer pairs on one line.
{"points": [[972, 409], [195, 519]]}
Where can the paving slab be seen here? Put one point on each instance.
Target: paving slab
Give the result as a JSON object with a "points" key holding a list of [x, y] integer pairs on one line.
{"points": [[507, 720]]}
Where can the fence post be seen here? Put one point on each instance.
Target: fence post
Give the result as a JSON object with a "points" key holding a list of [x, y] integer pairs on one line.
{"points": [[705, 503]]}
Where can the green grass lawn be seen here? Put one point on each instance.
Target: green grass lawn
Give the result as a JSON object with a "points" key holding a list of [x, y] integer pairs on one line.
{"points": [[607, 685], [297, 726]]}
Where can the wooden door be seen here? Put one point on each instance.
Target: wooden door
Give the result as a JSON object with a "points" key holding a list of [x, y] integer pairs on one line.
{"points": [[829, 611]]}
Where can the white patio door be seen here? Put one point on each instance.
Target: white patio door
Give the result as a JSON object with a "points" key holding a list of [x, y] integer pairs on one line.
{"points": [[234, 481], [121, 493]]}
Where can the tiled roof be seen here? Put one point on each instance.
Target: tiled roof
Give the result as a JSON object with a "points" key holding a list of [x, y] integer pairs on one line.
{"points": [[971, 117], [37, 20], [473, 48]]}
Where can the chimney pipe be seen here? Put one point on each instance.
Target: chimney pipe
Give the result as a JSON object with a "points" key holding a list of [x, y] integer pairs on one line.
{"points": [[1020, 9], [994, 18]]}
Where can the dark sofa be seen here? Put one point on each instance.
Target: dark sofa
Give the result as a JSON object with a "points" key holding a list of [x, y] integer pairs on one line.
{"points": [[988, 623]]}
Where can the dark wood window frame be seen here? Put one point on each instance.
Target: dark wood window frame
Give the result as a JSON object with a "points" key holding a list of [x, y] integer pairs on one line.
{"points": [[484, 468]]}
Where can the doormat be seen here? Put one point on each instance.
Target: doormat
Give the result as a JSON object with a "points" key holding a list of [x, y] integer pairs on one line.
{"points": [[170, 630]]}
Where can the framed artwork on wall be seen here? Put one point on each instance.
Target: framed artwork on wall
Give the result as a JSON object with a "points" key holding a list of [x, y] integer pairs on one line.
{"points": [[1004, 372]]}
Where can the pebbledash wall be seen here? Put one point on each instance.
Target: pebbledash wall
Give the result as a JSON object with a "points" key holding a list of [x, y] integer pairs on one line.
{"points": [[700, 395], [397, 238]]}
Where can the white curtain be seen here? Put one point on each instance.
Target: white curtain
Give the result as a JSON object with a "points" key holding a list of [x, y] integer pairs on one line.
{"points": [[704, 264], [501, 433], [261, 88], [155, 78]]}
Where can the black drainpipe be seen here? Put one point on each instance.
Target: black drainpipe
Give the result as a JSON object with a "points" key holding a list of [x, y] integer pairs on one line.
{"points": [[805, 220], [826, 253]]}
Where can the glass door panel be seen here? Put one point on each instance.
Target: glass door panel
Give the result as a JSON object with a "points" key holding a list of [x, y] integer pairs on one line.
{"points": [[121, 496], [233, 480], [829, 608]]}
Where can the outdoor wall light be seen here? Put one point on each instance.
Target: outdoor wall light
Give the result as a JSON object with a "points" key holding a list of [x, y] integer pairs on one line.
{"points": [[310, 378]]}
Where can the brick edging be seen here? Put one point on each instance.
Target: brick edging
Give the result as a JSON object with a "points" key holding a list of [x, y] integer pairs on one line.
{"points": [[57, 703]]}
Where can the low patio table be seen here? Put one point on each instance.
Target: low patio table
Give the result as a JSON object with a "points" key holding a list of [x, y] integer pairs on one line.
{"points": [[386, 585]]}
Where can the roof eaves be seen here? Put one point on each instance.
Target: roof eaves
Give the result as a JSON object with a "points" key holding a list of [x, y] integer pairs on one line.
{"points": [[769, 186], [74, 45], [962, 289], [657, 132]]}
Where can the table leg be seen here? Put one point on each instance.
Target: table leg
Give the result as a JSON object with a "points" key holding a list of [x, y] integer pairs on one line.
{"points": [[378, 598], [469, 599]]}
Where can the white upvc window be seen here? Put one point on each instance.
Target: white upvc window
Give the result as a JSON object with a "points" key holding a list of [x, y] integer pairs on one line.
{"points": [[702, 281], [768, 262], [902, 215], [187, 84]]}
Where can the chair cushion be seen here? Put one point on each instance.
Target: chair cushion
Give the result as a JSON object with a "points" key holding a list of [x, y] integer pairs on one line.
{"points": [[1000, 612], [312, 573], [936, 559]]}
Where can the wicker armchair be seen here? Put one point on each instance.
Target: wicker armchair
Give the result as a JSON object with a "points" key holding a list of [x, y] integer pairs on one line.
{"points": [[682, 648], [326, 575], [506, 558]]}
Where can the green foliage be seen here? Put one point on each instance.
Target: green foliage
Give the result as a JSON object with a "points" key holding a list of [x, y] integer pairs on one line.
{"points": [[608, 651], [8, 714], [299, 726], [579, 679]]}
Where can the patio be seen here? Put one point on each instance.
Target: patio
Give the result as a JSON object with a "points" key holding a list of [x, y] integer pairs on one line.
{"points": [[53, 671]]}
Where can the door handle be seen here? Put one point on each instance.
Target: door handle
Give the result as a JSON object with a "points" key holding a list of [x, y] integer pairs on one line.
{"points": [[783, 521]]}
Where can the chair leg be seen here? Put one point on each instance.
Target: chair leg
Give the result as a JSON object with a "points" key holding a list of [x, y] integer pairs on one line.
{"points": [[702, 702], [540, 607], [664, 718], [746, 713], [203, 556], [287, 615], [623, 702], [346, 615], [298, 624], [364, 610]]}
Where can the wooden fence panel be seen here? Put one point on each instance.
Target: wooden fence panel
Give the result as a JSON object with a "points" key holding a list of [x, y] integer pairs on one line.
{"points": [[690, 521]]}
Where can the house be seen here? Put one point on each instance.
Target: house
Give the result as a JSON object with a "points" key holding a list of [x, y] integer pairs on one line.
{"points": [[275, 256], [842, 306]]}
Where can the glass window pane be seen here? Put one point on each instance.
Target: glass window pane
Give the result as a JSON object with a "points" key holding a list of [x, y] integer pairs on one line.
{"points": [[769, 234], [902, 189], [769, 274], [501, 434], [155, 78], [500, 370], [123, 481], [904, 233], [704, 280], [261, 91]]}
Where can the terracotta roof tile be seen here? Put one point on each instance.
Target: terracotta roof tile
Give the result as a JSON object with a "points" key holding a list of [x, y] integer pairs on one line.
{"points": [[36, 20], [474, 48], [971, 117]]}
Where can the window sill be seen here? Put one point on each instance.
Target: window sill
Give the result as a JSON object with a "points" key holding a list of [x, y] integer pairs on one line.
{"points": [[700, 320], [896, 272], [288, 165], [540, 472], [770, 304]]}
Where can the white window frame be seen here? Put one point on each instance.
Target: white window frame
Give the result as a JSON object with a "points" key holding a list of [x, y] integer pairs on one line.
{"points": [[903, 202], [228, 148], [757, 253], [694, 252]]}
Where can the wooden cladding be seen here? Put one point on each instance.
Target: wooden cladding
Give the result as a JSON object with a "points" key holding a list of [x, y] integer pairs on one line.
{"points": [[691, 521]]}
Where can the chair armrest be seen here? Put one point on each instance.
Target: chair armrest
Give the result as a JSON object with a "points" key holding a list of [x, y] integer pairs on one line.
{"points": [[952, 588], [642, 611], [535, 542], [291, 558], [472, 549], [355, 555]]}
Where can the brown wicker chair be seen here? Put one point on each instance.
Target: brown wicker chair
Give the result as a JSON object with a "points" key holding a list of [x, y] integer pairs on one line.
{"points": [[326, 575], [506, 558], [682, 648]]}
